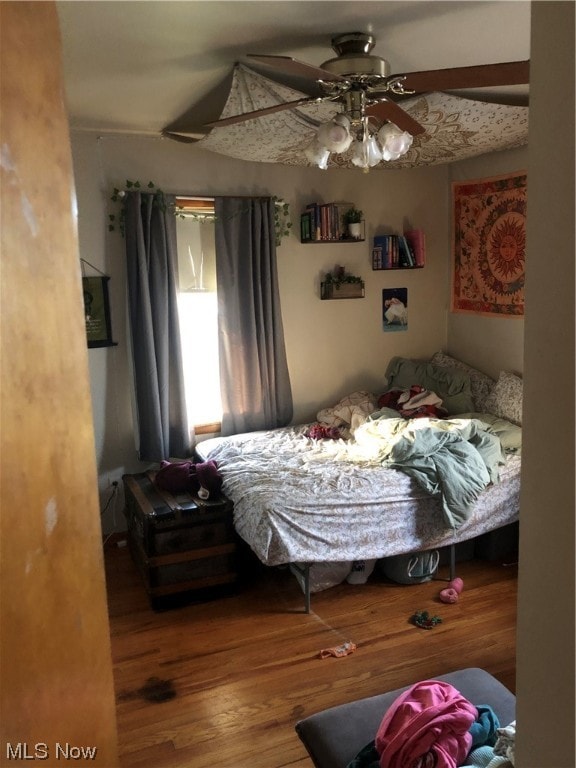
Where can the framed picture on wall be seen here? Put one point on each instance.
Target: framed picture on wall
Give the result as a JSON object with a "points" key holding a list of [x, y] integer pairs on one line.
{"points": [[97, 311], [395, 309]]}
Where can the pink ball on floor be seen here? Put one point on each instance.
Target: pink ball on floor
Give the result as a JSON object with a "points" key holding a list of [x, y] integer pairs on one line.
{"points": [[456, 584], [449, 595]]}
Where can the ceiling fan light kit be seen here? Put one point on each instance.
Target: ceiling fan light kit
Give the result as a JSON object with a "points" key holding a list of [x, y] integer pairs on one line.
{"points": [[371, 122], [368, 147]]}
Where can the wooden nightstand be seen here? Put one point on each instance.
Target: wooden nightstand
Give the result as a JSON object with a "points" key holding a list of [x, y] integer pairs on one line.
{"points": [[182, 545]]}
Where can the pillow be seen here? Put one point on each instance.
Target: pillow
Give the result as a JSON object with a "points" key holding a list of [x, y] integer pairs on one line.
{"points": [[451, 385], [480, 384], [510, 435], [359, 404], [505, 400]]}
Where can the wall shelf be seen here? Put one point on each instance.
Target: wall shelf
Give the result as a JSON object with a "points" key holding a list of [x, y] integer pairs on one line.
{"points": [[347, 240], [407, 251], [393, 269], [341, 291], [325, 223]]}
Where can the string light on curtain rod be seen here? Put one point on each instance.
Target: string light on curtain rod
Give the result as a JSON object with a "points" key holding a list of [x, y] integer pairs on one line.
{"points": [[369, 141]]}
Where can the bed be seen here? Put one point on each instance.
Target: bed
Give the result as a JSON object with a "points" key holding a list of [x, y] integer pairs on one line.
{"points": [[327, 493]]}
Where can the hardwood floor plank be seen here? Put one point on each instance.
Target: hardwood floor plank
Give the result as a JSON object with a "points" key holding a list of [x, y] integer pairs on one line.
{"points": [[223, 682]]}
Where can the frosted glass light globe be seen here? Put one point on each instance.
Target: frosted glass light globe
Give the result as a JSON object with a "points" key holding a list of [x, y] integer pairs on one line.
{"points": [[317, 155], [395, 142], [373, 152], [358, 156], [366, 153], [334, 136]]}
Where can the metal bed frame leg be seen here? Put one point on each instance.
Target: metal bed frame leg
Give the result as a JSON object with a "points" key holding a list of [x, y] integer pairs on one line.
{"points": [[452, 562], [304, 571], [307, 588]]}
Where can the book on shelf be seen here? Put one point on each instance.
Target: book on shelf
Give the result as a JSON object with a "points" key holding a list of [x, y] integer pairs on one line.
{"points": [[390, 251], [324, 221], [341, 208], [381, 244], [306, 227], [394, 254], [416, 240], [406, 257], [314, 211], [398, 251]]}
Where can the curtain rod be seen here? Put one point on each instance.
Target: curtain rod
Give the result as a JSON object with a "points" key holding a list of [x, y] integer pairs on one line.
{"points": [[197, 204], [228, 197]]}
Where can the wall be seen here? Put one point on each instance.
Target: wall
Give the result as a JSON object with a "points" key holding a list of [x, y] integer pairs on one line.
{"points": [[489, 343], [333, 347], [546, 599]]}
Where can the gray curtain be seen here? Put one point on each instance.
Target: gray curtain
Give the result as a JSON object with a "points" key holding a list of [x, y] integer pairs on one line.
{"points": [[150, 232], [254, 380]]}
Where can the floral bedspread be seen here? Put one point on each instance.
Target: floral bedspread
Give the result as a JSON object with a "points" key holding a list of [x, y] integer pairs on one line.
{"points": [[302, 500]]}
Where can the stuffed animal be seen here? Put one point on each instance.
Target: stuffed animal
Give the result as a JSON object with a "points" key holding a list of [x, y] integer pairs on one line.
{"points": [[202, 478]]}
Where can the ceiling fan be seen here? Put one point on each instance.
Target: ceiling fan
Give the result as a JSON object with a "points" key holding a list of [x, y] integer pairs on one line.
{"points": [[363, 84]]}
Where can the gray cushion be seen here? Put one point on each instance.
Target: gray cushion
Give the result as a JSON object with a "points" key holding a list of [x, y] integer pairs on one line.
{"points": [[335, 736]]}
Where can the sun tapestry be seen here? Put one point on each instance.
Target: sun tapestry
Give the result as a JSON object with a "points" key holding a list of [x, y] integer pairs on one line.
{"points": [[489, 245]]}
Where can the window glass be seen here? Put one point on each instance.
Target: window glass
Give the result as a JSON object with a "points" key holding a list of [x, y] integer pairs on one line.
{"points": [[198, 312]]}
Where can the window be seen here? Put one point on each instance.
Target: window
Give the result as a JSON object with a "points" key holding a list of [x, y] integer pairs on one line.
{"points": [[198, 312]]}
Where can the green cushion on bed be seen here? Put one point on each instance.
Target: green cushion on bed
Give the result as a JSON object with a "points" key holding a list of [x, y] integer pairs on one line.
{"points": [[510, 435], [450, 384]]}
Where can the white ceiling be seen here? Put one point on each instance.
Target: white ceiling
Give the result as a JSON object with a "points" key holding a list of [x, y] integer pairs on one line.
{"points": [[139, 65]]}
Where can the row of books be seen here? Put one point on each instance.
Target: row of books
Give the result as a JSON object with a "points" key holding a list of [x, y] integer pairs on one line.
{"points": [[399, 251], [323, 221]]}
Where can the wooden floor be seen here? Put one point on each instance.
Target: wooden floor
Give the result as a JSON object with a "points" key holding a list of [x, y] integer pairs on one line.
{"points": [[222, 683]]}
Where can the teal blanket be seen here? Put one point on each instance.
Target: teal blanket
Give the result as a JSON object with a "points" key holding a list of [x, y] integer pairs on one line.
{"points": [[452, 459]]}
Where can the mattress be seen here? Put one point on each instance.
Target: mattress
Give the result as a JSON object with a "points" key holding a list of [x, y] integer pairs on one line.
{"points": [[302, 500]]}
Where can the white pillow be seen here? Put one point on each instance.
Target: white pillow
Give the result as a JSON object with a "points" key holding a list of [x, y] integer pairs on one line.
{"points": [[505, 400], [358, 403]]}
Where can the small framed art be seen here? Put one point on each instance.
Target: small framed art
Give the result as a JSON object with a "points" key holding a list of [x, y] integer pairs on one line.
{"points": [[395, 309], [97, 311]]}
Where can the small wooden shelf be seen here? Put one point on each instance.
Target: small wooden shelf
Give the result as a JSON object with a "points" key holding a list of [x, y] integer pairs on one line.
{"points": [[395, 269], [324, 223], [341, 240], [341, 291], [407, 251]]}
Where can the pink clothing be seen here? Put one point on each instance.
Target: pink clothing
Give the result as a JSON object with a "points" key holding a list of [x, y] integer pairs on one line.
{"points": [[431, 716]]}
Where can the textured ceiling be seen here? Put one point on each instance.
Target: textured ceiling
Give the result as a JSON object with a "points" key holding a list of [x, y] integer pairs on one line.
{"points": [[139, 66]]}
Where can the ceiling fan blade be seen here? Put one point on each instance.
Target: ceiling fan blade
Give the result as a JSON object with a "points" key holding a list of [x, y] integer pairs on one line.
{"points": [[291, 66], [262, 112], [179, 137], [484, 75], [389, 110]]}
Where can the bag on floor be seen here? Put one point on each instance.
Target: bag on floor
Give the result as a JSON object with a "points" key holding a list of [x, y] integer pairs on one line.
{"points": [[414, 568]]}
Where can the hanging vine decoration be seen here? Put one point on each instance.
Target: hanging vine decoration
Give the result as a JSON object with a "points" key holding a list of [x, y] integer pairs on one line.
{"points": [[282, 221], [118, 195]]}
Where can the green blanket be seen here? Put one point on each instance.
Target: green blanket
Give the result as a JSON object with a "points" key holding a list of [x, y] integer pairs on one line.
{"points": [[453, 459]]}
